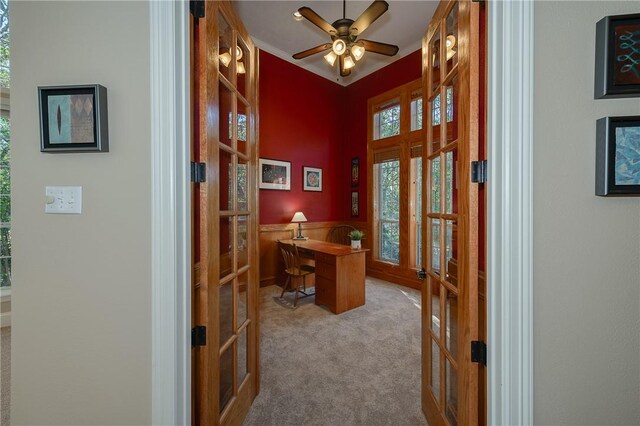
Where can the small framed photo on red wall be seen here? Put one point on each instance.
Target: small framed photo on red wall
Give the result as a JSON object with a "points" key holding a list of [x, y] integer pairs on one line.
{"points": [[355, 171], [355, 203]]}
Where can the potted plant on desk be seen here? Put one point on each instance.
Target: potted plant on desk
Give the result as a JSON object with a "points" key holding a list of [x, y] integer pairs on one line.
{"points": [[356, 239]]}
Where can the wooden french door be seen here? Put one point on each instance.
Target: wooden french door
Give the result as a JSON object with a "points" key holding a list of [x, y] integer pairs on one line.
{"points": [[452, 389], [225, 289]]}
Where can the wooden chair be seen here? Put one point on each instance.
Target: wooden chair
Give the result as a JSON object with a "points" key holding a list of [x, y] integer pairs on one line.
{"points": [[340, 234], [295, 271]]}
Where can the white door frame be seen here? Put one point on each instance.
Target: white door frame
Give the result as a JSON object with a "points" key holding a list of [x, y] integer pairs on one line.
{"points": [[509, 213]]}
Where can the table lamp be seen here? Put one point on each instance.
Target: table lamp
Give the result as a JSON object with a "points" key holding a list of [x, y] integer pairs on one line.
{"points": [[298, 218]]}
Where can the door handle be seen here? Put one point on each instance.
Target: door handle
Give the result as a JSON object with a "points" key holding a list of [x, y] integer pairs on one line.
{"points": [[422, 274]]}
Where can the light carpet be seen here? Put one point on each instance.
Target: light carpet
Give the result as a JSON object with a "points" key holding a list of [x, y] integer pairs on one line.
{"points": [[5, 376], [361, 367]]}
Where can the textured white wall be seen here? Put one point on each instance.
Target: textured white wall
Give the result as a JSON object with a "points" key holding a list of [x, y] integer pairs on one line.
{"points": [[82, 283], [586, 248]]}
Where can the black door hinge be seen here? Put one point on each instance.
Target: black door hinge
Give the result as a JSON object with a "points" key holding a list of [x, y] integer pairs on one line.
{"points": [[198, 336], [198, 172], [479, 171], [197, 8], [479, 352]]}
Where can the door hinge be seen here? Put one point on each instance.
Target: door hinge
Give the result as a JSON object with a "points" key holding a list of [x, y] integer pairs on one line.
{"points": [[197, 8], [479, 352], [479, 171], [198, 172], [198, 336]]}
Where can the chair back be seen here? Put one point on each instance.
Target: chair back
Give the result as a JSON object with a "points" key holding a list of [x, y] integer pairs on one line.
{"points": [[340, 234], [290, 256]]}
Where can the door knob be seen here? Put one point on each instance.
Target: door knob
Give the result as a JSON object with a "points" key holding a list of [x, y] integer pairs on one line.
{"points": [[422, 274]]}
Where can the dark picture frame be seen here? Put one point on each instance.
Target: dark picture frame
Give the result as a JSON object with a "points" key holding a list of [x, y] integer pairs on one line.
{"points": [[355, 203], [73, 118], [311, 179], [274, 174], [618, 156], [355, 171], [617, 58]]}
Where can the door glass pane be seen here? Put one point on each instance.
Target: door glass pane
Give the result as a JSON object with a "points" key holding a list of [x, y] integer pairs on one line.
{"points": [[242, 184], [242, 356], [451, 251], [226, 312], [451, 410], [242, 127], [226, 377], [243, 67], [418, 210], [243, 284], [435, 306], [226, 180], [451, 317], [242, 242], [226, 246], [435, 185], [435, 245], [225, 104], [435, 60], [435, 122], [451, 42], [224, 48], [435, 369], [451, 182], [451, 102]]}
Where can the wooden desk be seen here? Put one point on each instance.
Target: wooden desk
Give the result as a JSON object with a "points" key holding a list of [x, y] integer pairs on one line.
{"points": [[340, 273]]}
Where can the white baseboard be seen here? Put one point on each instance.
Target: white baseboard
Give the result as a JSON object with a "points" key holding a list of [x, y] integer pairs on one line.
{"points": [[5, 319]]}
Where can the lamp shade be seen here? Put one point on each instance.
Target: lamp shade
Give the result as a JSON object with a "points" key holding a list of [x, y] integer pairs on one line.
{"points": [[358, 52], [348, 62], [298, 217], [339, 46], [330, 58]]}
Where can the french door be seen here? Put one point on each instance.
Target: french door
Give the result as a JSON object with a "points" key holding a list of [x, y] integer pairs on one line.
{"points": [[452, 73], [225, 289]]}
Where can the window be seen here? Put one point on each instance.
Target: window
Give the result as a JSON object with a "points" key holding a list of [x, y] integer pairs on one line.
{"points": [[5, 157], [416, 111], [388, 179], [386, 122], [416, 175]]}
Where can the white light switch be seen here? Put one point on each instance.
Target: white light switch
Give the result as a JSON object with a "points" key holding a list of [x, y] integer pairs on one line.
{"points": [[63, 199]]}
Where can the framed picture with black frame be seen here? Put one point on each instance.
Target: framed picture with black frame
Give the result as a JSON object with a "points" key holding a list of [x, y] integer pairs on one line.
{"points": [[617, 57], [311, 179], [355, 203], [73, 119], [618, 156], [355, 171]]}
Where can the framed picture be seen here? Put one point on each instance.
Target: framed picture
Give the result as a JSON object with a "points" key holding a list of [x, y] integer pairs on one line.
{"points": [[618, 57], [274, 174], [355, 203], [618, 156], [312, 179], [73, 119], [355, 171]]}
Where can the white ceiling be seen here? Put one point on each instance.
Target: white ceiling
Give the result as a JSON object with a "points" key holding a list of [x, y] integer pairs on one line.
{"points": [[273, 29]]}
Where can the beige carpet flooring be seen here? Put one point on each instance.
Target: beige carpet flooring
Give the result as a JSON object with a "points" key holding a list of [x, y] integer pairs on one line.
{"points": [[5, 375], [358, 368]]}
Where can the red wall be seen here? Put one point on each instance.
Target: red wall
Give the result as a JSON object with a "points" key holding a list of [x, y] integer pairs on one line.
{"points": [[311, 121]]}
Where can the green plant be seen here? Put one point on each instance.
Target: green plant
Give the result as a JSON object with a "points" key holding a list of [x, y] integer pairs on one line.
{"points": [[356, 235]]}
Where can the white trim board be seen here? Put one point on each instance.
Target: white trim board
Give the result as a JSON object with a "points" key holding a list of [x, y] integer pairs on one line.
{"points": [[170, 219], [510, 212]]}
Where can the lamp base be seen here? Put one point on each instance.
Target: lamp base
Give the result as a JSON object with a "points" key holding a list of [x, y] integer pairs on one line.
{"points": [[300, 238]]}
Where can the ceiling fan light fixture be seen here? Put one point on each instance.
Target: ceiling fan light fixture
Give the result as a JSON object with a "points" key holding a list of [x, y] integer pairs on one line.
{"points": [[357, 52], [339, 47], [349, 62], [240, 68], [225, 59], [451, 41], [238, 53], [330, 58], [297, 16]]}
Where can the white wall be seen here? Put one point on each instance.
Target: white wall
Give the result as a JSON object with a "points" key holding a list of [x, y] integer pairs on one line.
{"points": [[586, 248], [81, 301]]}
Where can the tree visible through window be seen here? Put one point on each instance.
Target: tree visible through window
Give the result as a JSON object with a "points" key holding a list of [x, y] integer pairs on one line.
{"points": [[389, 214], [386, 123], [5, 177]]}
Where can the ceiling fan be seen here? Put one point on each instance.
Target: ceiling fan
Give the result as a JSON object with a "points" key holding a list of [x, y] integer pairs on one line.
{"points": [[344, 33]]}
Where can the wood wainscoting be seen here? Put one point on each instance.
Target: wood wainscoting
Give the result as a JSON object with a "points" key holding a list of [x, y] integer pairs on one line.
{"points": [[271, 265]]}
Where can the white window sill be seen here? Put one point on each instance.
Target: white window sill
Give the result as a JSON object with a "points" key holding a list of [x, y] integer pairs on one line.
{"points": [[5, 294]]}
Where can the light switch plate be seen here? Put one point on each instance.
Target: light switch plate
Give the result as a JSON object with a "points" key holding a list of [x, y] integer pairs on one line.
{"points": [[63, 199]]}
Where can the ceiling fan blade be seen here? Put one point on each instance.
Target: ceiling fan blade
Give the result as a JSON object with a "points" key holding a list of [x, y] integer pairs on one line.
{"points": [[343, 72], [317, 20], [377, 47], [312, 51], [373, 12]]}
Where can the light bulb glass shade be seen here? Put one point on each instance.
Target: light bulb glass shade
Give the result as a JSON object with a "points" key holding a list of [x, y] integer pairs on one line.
{"points": [[451, 41], [297, 16], [450, 53], [240, 68], [298, 217], [225, 59], [357, 52], [331, 58], [339, 47], [348, 62], [238, 53]]}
